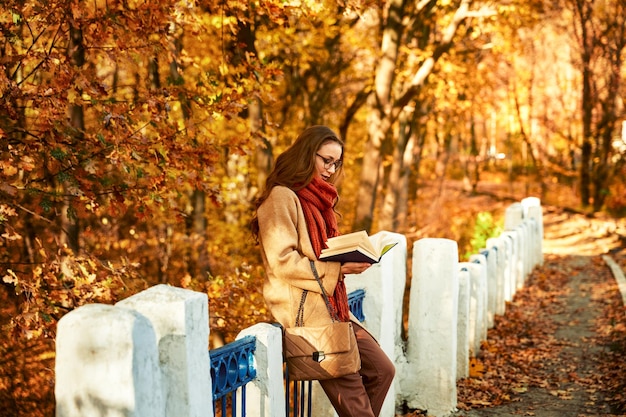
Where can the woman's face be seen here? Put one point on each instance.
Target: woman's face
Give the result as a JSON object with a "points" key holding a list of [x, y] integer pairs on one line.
{"points": [[328, 159]]}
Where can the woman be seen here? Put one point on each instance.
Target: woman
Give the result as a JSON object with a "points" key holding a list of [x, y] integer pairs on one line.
{"points": [[295, 216]]}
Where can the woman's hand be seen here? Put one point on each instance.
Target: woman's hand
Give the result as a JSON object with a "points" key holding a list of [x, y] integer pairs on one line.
{"points": [[354, 267]]}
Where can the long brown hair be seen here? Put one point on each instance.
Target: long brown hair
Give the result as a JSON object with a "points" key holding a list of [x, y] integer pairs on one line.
{"points": [[295, 167]]}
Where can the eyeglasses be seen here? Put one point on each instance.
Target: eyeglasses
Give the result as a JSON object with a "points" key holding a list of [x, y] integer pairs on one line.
{"points": [[328, 162]]}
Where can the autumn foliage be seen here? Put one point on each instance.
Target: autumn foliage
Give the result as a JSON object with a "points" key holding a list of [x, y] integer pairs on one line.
{"points": [[135, 135]]}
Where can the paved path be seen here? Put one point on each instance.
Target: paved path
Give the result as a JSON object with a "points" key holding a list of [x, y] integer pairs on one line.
{"points": [[566, 393], [572, 371]]}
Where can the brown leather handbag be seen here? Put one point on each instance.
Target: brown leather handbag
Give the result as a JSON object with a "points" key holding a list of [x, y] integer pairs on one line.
{"points": [[315, 353]]}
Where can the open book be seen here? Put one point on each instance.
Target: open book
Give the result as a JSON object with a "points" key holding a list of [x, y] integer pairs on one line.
{"points": [[354, 247]]}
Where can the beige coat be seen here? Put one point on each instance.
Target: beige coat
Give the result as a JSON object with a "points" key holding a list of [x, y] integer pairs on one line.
{"points": [[286, 249]]}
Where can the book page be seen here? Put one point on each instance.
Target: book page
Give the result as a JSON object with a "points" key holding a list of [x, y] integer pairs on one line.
{"points": [[353, 240], [347, 239]]}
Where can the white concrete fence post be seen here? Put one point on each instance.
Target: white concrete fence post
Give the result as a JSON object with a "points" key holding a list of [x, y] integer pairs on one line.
{"points": [[513, 216], [524, 231], [107, 364], [513, 263], [181, 321], [533, 210], [430, 380], [498, 250], [266, 395], [491, 256], [476, 307], [463, 324], [483, 294]]}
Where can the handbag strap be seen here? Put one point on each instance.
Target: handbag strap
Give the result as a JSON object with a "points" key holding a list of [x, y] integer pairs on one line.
{"points": [[331, 310], [300, 316]]}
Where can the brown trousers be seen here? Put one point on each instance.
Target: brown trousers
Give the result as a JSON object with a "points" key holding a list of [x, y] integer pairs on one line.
{"points": [[362, 394]]}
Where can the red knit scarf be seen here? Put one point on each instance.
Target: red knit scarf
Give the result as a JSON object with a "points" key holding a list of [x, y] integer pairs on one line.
{"points": [[317, 200]]}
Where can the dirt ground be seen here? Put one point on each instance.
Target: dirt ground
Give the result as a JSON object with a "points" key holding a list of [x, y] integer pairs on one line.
{"points": [[567, 382]]}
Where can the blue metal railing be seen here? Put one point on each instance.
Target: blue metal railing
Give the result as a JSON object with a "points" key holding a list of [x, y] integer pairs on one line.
{"points": [[297, 397], [355, 301], [232, 367]]}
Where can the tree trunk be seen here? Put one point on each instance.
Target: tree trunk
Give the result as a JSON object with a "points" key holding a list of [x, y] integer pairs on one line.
{"points": [[473, 159], [388, 218], [602, 39], [264, 149], [409, 162], [584, 13], [603, 172], [69, 220], [413, 167], [465, 155], [379, 122], [198, 232], [444, 143]]}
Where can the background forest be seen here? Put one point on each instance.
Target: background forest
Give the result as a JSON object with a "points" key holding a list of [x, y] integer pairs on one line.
{"points": [[135, 136]]}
